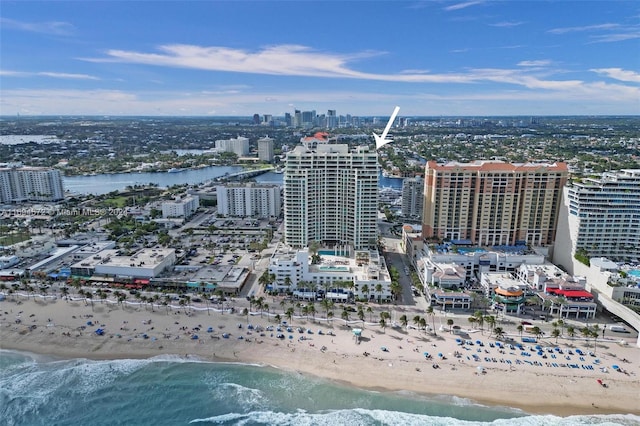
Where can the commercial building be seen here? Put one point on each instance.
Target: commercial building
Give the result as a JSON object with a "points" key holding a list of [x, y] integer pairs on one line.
{"points": [[147, 263], [24, 184], [330, 195], [265, 149], [413, 197], [493, 203], [249, 200], [181, 207], [601, 218]]}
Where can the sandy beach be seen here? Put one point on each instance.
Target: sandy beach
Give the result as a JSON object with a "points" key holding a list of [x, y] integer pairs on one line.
{"points": [[393, 359]]}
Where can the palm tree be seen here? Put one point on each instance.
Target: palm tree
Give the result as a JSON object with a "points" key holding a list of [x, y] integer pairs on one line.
{"points": [[361, 314], [289, 314], [480, 317], [491, 321], [379, 291], [365, 290], [555, 333], [450, 324], [370, 312], [571, 332], [312, 310], [595, 333], [404, 321], [586, 332], [432, 314], [472, 320], [536, 331], [345, 316], [423, 324], [520, 329], [499, 333], [396, 289], [245, 312], [65, 292], [383, 323], [416, 320], [330, 316]]}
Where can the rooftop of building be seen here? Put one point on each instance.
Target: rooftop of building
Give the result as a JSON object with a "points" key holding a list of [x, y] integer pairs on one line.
{"points": [[147, 258], [497, 166]]}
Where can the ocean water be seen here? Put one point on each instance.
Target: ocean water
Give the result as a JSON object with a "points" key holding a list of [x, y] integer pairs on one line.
{"points": [[36, 390]]}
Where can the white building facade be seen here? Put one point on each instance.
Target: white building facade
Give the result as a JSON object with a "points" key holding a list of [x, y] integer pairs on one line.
{"points": [[331, 196], [601, 217], [184, 207], [265, 149], [239, 146], [22, 184], [362, 276], [249, 200]]}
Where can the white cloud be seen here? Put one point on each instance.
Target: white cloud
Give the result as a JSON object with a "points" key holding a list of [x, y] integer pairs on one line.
{"points": [[506, 24], [9, 73], [464, 5], [68, 75], [597, 27], [619, 74], [537, 63], [612, 38], [539, 97], [51, 27]]}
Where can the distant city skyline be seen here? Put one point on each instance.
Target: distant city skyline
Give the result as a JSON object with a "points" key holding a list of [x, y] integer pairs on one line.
{"points": [[214, 58]]}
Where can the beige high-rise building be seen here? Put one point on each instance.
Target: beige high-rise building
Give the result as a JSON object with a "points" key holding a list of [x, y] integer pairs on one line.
{"points": [[491, 203]]}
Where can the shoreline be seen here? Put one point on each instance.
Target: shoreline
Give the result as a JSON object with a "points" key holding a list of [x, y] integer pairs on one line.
{"points": [[62, 331]]}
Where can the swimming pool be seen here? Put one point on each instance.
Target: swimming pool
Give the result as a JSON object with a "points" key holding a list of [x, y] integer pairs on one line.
{"points": [[634, 273]]}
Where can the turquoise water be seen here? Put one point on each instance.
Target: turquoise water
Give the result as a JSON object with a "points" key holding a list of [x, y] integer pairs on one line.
{"points": [[635, 272], [327, 252], [334, 268], [170, 391]]}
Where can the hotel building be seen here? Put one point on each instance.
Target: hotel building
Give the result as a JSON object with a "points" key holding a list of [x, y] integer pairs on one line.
{"points": [[601, 216], [249, 200], [21, 184], [493, 203], [330, 195]]}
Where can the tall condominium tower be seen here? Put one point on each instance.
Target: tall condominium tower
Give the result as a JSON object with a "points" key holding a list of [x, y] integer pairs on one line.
{"points": [[265, 149], [601, 217], [493, 203], [330, 195], [412, 197], [18, 184]]}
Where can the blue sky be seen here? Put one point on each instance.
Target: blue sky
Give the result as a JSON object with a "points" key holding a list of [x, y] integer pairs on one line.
{"points": [[357, 57]]}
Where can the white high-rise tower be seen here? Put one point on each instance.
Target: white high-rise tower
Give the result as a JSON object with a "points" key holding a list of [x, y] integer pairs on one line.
{"points": [[331, 195]]}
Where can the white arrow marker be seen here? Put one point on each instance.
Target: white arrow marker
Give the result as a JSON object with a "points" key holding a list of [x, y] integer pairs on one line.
{"points": [[382, 140]]}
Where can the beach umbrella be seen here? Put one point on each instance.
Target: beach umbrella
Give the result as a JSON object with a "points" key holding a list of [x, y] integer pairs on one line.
{"points": [[440, 354], [426, 354], [615, 367]]}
